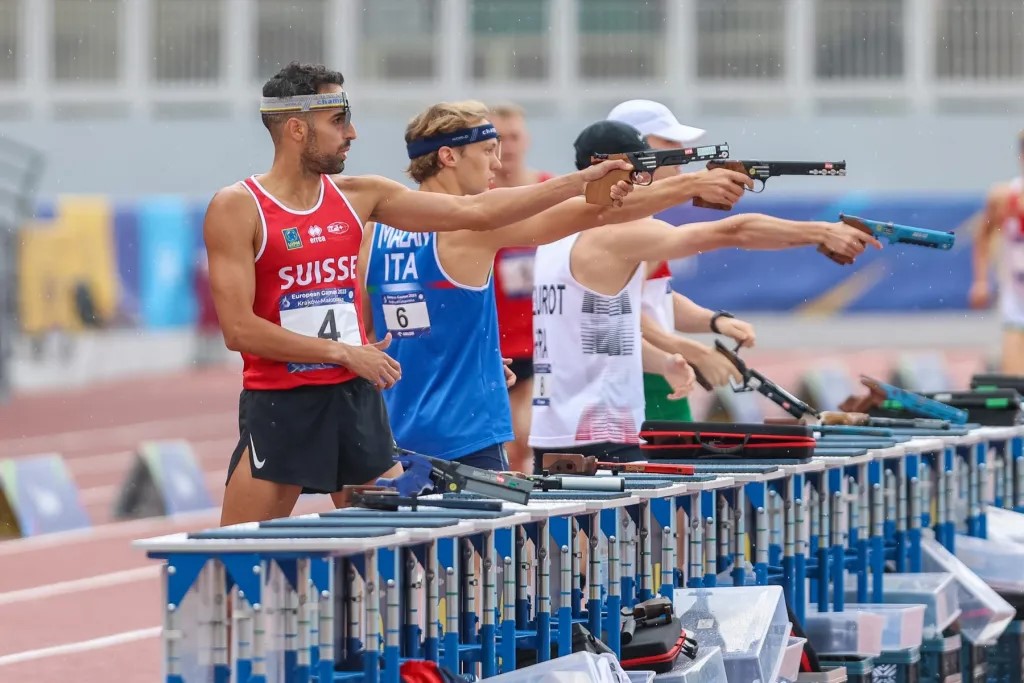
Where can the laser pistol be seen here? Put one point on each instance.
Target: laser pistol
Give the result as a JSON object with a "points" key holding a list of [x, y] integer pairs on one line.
{"points": [[644, 165], [761, 171]]}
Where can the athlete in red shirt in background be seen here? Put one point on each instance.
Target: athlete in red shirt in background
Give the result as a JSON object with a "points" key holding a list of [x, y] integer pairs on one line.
{"points": [[283, 248], [513, 283]]}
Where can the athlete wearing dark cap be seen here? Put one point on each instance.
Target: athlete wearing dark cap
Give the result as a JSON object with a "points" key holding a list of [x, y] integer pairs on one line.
{"points": [[589, 357]]}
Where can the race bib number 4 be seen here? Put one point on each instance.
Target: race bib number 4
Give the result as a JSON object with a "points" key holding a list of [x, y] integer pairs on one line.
{"points": [[406, 314], [325, 313]]}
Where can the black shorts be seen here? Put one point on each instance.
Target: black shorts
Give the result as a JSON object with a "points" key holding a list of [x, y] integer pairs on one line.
{"points": [[522, 368], [319, 437], [605, 452]]}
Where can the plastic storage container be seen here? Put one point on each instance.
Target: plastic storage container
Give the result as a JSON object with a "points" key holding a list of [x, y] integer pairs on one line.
{"points": [[844, 633], [579, 666], [1004, 525], [858, 669], [898, 666], [997, 563], [709, 667], [984, 613], [936, 591], [790, 667], [904, 624], [749, 624]]}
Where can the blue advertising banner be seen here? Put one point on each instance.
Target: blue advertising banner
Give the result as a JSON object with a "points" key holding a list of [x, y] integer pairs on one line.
{"points": [[167, 258], [897, 278]]}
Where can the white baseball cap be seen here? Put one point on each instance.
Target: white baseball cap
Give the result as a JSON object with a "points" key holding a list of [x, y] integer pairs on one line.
{"points": [[654, 118]]}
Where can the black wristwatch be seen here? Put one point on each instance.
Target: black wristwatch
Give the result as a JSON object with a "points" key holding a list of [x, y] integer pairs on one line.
{"points": [[716, 316]]}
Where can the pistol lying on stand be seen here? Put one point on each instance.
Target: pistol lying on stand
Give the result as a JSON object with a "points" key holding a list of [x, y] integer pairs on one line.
{"points": [[589, 465], [804, 413], [763, 170], [644, 165], [896, 234]]}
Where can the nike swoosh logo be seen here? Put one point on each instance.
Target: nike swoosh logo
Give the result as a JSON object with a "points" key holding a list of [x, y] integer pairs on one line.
{"points": [[255, 460]]}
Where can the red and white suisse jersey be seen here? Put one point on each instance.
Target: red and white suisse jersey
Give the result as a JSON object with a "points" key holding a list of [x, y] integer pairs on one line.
{"points": [[306, 282]]}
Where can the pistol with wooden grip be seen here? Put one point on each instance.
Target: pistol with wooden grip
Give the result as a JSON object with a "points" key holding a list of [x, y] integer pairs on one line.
{"points": [[761, 171], [644, 164]]}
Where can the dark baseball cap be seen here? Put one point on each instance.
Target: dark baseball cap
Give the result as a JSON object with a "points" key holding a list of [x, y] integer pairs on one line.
{"points": [[607, 137]]}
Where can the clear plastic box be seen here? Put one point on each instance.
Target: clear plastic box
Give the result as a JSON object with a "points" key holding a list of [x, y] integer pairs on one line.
{"points": [[708, 667], [790, 667], [936, 591], [748, 623], [997, 563], [904, 624], [844, 633], [1004, 525], [985, 614], [579, 667]]}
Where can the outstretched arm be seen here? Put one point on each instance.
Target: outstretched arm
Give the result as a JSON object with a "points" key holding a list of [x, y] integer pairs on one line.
{"points": [[653, 239], [413, 211], [576, 214]]}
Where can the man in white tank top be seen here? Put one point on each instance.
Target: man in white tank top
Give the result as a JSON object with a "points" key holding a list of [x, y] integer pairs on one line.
{"points": [[666, 312], [1003, 214], [589, 356]]}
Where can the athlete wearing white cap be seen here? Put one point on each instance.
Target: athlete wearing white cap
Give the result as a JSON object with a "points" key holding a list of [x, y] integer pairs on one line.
{"points": [[664, 311], [654, 119]]}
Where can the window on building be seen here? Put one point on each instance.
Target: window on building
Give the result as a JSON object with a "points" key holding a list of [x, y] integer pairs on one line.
{"points": [[741, 39], [186, 40], [622, 40], [398, 40], [510, 39], [979, 40], [859, 39], [289, 31], [86, 40]]}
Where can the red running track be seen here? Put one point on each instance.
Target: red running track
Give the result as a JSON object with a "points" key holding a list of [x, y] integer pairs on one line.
{"points": [[85, 606]]}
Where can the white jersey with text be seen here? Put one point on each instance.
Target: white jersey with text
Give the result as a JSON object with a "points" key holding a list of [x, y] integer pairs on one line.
{"points": [[587, 356]]}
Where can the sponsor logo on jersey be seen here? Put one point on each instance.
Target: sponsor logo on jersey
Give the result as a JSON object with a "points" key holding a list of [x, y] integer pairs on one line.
{"points": [[292, 239], [337, 228], [316, 234]]}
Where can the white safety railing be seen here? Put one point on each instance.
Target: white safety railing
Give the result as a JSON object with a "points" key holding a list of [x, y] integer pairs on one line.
{"points": [[65, 58]]}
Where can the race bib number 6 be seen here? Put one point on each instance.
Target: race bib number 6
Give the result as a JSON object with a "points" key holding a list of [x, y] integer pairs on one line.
{"points": [[324, 313], [406, 314]]}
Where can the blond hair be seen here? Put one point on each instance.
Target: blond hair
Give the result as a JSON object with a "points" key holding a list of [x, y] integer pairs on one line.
{"points": [[441, 118]]}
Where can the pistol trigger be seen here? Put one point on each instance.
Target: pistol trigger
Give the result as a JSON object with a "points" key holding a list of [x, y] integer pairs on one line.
{"points": [[641, 178], [756, 190]]}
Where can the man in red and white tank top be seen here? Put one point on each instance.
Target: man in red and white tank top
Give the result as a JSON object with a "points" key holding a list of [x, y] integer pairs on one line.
{"points": [[1004, 216], [513, 283], [283, 249]]}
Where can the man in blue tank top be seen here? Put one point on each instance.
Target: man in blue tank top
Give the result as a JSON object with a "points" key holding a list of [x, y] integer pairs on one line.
{"points": [[434, 292]]}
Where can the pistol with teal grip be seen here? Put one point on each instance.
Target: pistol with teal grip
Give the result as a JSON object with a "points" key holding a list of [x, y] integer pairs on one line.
{"points": [[898, 234]]}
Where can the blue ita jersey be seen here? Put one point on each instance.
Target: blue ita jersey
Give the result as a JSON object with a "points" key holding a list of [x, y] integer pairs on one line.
{"points": [[452, 400]]}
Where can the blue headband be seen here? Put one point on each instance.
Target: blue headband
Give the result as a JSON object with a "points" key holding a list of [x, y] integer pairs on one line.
{"points": [[458, 138]]}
